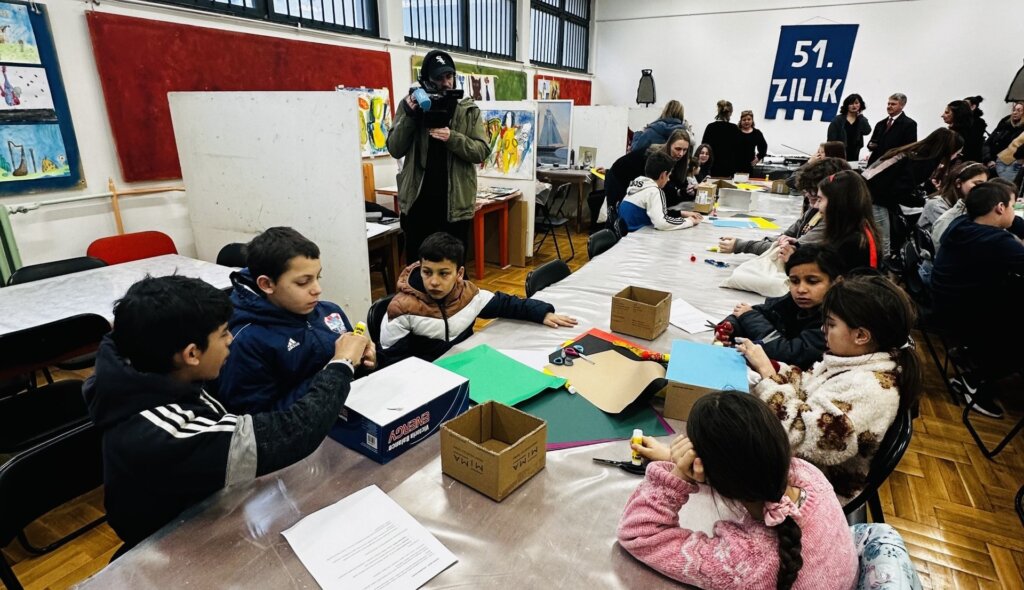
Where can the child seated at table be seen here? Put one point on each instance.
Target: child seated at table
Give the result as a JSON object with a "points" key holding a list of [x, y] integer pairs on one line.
{"points": [[838, 412], [789, 327], [283, 332], [645, 202], [435, 306], [167, 443], [786, 529]]}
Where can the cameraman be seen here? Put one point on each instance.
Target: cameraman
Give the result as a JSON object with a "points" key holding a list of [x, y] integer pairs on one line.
{"points": [[437, 179]]}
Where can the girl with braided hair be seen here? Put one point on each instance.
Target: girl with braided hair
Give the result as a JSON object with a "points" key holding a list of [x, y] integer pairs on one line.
{"points": [[787, 531]]}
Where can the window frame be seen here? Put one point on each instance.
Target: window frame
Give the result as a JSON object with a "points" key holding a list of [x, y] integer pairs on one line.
{"points": [[464, 33], [263, 10], [564, 16]]}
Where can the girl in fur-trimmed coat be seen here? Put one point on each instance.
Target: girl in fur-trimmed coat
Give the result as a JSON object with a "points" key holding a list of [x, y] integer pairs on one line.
{"points": [[838, 412]]}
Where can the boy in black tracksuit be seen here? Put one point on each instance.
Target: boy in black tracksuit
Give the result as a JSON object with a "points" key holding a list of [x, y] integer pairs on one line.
{"points": [[789, 327], [167, 444], [435, 307]]}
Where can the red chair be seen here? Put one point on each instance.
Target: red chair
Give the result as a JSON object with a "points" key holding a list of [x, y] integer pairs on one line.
{"points": [[133, 246]]}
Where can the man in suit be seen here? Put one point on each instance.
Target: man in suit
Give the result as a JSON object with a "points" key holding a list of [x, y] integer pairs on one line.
{"points": [[896, 131]]}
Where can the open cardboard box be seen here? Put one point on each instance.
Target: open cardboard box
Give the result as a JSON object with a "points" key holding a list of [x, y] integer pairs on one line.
{"points": [[696, 369], [493, 448], [641, 312]]}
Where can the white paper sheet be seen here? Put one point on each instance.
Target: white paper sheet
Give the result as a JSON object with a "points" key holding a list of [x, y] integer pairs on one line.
{"points": [[375, 229], [389, 393], [535, 359], [366, 541], [689, 318]]}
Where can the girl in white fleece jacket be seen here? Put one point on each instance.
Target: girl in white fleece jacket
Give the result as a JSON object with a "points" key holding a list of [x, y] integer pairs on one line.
{"points": [[839, 411]]}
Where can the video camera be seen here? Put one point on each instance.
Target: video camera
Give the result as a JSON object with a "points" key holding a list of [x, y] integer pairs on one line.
{"points": [[437, 105]]}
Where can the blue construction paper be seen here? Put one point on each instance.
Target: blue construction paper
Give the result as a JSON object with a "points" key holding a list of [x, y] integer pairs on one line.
{"points": [[740, 223], [706, 365]]}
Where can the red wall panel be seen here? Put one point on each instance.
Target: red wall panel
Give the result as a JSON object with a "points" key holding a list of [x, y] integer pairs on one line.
{"points": [[141, 60], [569, 89]]}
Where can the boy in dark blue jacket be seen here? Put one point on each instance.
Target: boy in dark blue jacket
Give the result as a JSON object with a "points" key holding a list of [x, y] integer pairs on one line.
{"points": [[435, 307], [789, 327], [283, 333], [167, 443]]}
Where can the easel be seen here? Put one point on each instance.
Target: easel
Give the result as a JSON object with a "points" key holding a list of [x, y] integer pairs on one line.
{"points": [[115, 196]]}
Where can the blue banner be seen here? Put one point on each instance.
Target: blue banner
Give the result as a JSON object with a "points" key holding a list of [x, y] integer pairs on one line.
{"points": [[810, 70]]}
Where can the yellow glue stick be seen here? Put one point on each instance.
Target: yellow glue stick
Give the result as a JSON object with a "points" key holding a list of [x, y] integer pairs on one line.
{"points": [[360, 329], [638, 439]]}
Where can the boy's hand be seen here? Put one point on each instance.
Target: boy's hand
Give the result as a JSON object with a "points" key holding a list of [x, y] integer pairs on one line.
{"points": [[351, 347], [369, 359], [652, 450], [726, 245], [557, 320], [741, 309], [688, 465]]}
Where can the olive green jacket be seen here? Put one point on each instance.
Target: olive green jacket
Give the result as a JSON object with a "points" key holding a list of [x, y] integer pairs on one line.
{"points": [[467, 147]]}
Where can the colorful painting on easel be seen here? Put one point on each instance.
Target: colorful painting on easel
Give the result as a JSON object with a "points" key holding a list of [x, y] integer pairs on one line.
{"points": [[17, 40], [25, 95], [511, 134], [32, 152], [374, 120]]}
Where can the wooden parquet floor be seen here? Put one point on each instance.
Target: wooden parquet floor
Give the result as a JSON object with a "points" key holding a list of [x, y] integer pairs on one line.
{"points": [[953, 507]]}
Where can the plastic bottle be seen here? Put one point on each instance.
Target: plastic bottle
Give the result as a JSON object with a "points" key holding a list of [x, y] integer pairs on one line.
{"points": [[637, 439]]}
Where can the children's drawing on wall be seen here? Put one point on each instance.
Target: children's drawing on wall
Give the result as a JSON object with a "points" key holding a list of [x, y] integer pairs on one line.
{"points": [[31, 152], [374, 119], [476, 86], [555, 132], [17, 40], [547, 89], [511, 137], [25, 95]]}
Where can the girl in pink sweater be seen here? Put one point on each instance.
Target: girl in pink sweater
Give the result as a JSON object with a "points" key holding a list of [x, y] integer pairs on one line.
{"points": [[791, 533]]}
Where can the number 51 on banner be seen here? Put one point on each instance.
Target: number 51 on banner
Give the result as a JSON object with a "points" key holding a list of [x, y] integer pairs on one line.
{"points": [[811, 64]]}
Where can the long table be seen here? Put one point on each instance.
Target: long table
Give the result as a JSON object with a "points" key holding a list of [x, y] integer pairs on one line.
{"points": [[556, 531], [94, 291]]}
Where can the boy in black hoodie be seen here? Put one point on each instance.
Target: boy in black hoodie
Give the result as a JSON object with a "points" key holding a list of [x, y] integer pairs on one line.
{"points": [[167, 444], [789, 327]]}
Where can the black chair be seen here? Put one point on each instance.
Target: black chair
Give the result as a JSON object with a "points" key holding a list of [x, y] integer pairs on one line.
{"points": [[232, 254], [894, 444], [374, 317], [31, 417], [989, 453], [1019, 502], [548, 217], [600, 242], [546, 274], [45, 270], [621, 228], [42, 478]]}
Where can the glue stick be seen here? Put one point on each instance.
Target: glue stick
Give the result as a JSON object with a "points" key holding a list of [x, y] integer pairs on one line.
{"points": [[360, 329], [638, 439]]}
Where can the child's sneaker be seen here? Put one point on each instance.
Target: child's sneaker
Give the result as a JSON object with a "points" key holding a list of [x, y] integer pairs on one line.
{"points": [[962, 384], [984, 405]]}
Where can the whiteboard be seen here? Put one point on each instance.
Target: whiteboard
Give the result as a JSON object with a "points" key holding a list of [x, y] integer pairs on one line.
{"points": [[603, 128], [253, 160]]}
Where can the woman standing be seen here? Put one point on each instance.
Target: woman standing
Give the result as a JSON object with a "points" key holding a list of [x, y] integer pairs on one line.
{"points": [[752, 146], [724, 139], [850, 126], [657, 131], [959, 118]]}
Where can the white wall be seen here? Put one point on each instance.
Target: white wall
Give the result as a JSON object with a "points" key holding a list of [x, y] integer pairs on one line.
{"points": [[934, 51], [62, 231]]}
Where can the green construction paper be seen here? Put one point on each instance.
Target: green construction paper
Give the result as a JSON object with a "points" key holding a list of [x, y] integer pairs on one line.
{"points": [[508, 84], [573, 421], [495, 376]]}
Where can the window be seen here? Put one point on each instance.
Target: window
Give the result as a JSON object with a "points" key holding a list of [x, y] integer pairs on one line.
{"points": [[561, 33], [481, 27], [357, 17]]}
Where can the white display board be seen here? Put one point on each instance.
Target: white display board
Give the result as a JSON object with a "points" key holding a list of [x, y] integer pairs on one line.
{"points": [[601, 127], [253, 160]]}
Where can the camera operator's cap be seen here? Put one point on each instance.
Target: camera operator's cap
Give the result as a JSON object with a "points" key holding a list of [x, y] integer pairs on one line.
{"points": [[436, 64]]}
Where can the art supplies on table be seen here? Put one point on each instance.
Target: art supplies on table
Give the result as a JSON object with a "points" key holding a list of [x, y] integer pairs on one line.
{"points": [[611, 381], [697, 369], [494, 376], [734, 223], [366, 540], [687, 317], [623, 465]]}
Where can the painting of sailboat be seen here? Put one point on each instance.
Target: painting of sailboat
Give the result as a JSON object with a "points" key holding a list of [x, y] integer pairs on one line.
{"points": [[554, 138], [31, 152]]}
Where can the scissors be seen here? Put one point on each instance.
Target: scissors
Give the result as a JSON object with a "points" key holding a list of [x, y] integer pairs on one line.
{"points": [[624, 465], [572, 352]]}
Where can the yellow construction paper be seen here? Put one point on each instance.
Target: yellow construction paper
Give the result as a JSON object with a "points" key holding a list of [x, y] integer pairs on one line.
{"points": [[763, 223]]}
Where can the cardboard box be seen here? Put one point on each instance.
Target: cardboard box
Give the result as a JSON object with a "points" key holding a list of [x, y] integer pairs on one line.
{"points": [[696, 369], [641, 312], [735, 198], [780, 187], [705, 199], [493, 448], [390, 411]]}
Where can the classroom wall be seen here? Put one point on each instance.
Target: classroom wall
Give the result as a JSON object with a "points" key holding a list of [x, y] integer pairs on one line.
{"points": [[934, 51], [62, 231]]}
